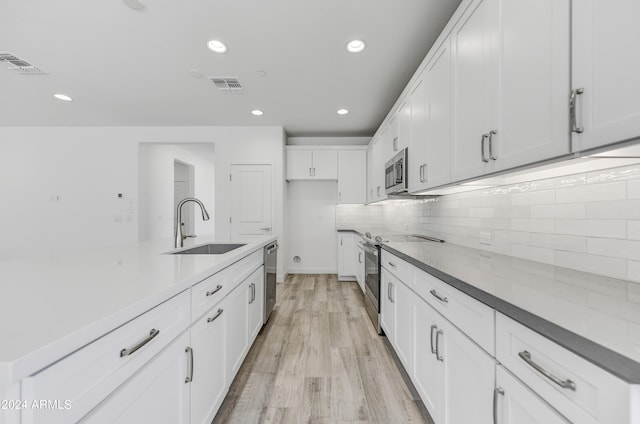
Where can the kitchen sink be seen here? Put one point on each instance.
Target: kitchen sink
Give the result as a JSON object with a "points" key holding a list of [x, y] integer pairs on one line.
{"points": [[209, 249]]}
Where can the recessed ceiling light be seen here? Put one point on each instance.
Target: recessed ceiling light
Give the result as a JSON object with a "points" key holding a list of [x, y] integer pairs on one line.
{"points": [[356, 46], [217, 46], [256, 112], [63, 97], [342, 111]]}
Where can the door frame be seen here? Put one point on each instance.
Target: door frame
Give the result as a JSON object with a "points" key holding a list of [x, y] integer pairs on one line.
{"points": [[270, 163]]}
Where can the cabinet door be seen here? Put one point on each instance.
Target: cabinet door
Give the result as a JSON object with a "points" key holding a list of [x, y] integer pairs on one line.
{"points": [[299, 164], [417, 106], [403, 306], [325, 165], [237, 326], [378, 168], [360, 265], [428, 372], [469, 377], [534, 57], [387, 306], [155, 394], [392, 140], [473, 69], [370, 167], [517, 404], [403, 119], [209, 384], [256, 303], [606, 65], [352, 176], [346, 255]]}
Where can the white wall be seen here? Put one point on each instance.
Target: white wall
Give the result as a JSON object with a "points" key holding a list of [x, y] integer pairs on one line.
{"points": [[88, 166], [156, 168], [311, 226]]}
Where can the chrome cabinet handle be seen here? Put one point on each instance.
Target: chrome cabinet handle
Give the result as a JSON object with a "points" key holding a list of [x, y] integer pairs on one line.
{"points": [[189, 378], [392, 297], [265, 229], [484, 137], [438, 356], [378, 191], [310, 174], [497, 391], [433, 349], [314, 172], [389, 292], [420, 173], [424, 174], [152, 335], [214, 291], [565, 384], [359, 257], [272, 248], [572, 110], [435, 294], [340, 196], [392, 264], [215, 317], [491, 155], [395, 144]]}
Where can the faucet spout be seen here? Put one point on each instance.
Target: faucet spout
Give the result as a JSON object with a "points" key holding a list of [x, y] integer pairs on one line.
{"points": [[179, 237]]}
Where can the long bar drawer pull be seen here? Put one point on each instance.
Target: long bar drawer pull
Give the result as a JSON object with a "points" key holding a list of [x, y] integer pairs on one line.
{"points": [[215, 317], [433, 349], [435, 294], [152, 335], [214, 291], [392, 264], [497, 391], [189, 378], [565, 384]]}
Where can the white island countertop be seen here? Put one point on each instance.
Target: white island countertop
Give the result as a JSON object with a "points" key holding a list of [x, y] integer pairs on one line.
{"points": [[51, 306]]}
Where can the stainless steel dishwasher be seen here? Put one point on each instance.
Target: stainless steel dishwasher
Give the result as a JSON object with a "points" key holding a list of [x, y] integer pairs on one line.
{"points": [[270, 263]]}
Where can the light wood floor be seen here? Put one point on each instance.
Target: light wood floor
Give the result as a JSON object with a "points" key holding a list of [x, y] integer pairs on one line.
{"points": [[319, 360]]}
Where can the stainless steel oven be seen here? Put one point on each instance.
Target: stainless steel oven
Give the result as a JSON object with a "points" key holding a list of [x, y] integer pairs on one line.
{"points": [[372, 283], [395, 173]]}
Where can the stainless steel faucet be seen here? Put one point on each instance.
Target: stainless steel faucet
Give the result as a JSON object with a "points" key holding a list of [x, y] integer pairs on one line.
{"points": [[179, 239]]}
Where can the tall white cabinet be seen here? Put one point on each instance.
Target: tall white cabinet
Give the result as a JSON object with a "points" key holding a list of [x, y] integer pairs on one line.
{"points": [[605, 69]]}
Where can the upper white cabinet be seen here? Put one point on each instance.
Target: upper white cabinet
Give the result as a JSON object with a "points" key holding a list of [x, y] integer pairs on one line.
{"points": [[307, 164], [605, 67], [352, 176], [377, 171], [510, 80]]}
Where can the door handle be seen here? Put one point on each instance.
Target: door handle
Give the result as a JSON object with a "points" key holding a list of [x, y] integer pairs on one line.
{"points": [[216, 316], [438, 356], [565, 384], [435, 294], [214, 291], [266, 229], [189, 378], [433, 328], [482, 140], [152, 335], [491, 155], [497, 391], [572, 110]]}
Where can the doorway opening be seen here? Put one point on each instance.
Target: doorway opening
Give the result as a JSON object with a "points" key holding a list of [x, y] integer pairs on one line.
{"points": [[183, 186]]}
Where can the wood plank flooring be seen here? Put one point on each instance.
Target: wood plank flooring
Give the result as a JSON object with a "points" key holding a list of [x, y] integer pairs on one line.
{"points": [[319, 360]]}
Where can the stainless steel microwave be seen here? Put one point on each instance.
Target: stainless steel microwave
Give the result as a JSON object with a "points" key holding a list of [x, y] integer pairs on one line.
{"points": [[395, 173]]}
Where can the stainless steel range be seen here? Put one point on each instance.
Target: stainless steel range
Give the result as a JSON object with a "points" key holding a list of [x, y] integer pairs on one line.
{"points": [[372, 264]]}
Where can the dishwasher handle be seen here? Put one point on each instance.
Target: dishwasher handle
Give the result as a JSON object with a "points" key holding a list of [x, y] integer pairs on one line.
{"points": [[272, 248]]}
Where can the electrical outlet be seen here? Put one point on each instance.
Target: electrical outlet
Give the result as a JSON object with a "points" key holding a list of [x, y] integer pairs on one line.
{"points": [[486, 238]]}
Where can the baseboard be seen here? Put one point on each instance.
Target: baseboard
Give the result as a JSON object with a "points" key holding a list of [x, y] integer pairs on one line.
{"points": [[311, 271]]}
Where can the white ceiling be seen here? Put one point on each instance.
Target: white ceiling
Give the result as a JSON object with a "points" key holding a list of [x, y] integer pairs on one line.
{"points": [[126, 68]]}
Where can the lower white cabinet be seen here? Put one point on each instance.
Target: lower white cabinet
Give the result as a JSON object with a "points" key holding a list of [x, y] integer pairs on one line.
{"points": [[514, 403], [453, 375], [157, 393], [403, 321], [237, 323], [387, 307], [256, 303], [360, 271], [208, 381], [346, 256]]}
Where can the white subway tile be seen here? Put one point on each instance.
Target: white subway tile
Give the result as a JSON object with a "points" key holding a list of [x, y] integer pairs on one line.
{"points": [[534, 198], [614, 174], [592, 192], [612, 267], [533, 225], [559, 242], [633, 230], [518, 237], [633, 189], [621, 209], [537, 254], [562, 211], [634, 271], [594, 228], [559, 182], [481, 212], [617, 248]]}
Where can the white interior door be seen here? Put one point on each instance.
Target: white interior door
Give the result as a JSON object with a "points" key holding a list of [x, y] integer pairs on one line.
{"points": [[251, 188]]}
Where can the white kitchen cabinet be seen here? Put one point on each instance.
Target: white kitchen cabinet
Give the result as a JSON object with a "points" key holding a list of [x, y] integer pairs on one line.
{"points": [[352, 176], [516, 404], [605, 68], [403, 122], [346, 256], [256, 303], [157, 393], [431, 128], [370, 172], [510, 79], [391, 139], [237, 328], [360, 271], [403, 307], [378, 162], [454, 376], [312, 164], [387, 305], [209, 383]]}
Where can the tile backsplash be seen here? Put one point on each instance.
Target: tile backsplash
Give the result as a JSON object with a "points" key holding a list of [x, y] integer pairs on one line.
{"points": [[587, 221]]}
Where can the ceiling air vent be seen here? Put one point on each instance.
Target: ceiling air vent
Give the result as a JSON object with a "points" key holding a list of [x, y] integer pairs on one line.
{"points": [[18, 65], [227, 84]]}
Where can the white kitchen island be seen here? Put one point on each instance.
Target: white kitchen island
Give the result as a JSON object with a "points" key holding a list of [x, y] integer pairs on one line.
{"points": [[68, 324]]}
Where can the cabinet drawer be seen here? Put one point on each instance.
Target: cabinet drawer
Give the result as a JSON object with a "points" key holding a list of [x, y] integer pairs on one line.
{"points": [[244, 268], [590, 395], [399, 268], [473, 318], [87, 376]]}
